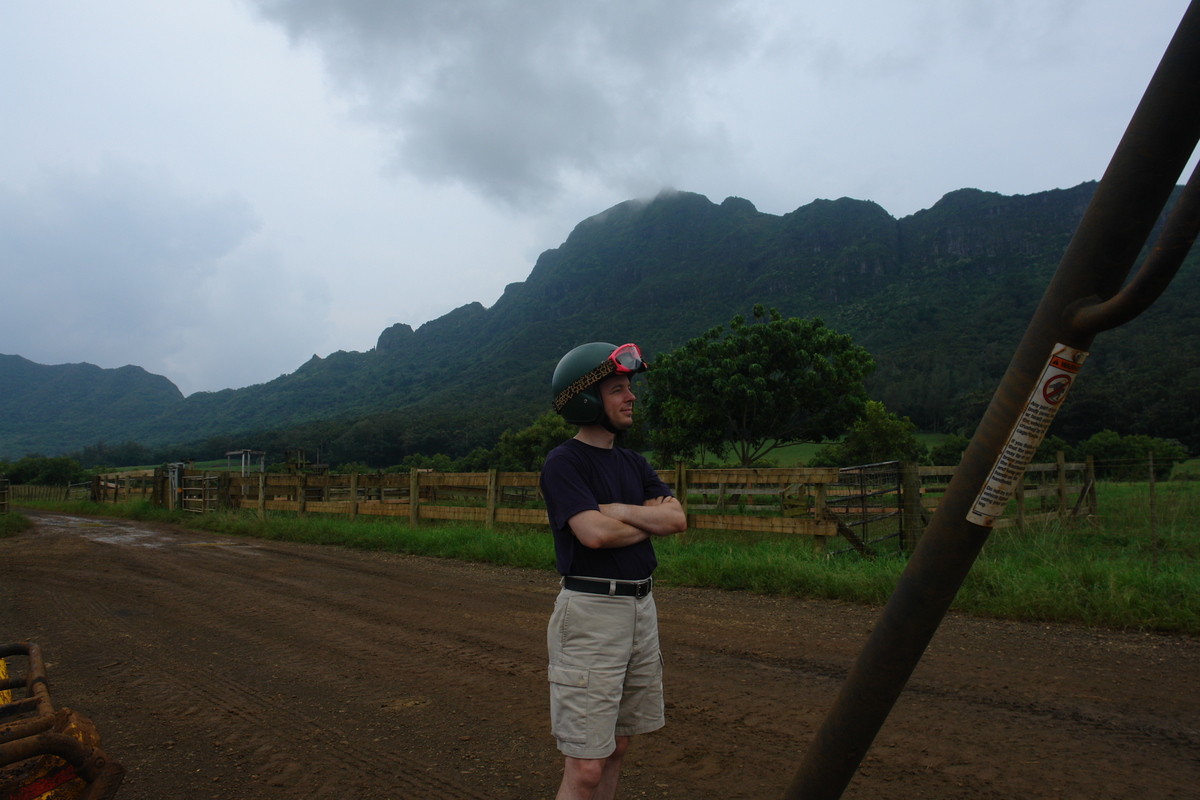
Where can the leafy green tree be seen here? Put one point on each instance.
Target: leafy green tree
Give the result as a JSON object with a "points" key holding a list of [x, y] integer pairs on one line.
{"points": [[39, 470], [1123, 458], [525, 450], [878, 435], [1049, 449], [949, 451], [520, 451], [760, 386]]}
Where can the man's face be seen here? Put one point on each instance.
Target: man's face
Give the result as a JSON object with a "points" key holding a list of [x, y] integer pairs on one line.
{"points": [[618, 401]]}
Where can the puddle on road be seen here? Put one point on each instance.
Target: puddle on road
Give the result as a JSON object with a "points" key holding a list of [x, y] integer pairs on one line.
{"points": [[108, 532], [115, 532]]}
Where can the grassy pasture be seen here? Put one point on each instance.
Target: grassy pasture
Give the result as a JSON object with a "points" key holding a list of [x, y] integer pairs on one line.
{"points": [[797, 455], [1111, 572]]}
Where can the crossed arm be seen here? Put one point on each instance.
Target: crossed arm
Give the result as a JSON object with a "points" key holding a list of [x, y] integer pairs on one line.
{"points": [[618, 524]]}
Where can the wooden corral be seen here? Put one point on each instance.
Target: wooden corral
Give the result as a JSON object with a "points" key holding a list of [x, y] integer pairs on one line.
{"points": [[866, 505]]}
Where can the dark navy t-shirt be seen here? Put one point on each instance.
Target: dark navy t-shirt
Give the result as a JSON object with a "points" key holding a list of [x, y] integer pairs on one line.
{"points": [[577, 477]]}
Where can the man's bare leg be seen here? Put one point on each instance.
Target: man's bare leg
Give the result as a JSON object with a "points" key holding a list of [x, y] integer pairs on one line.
{"points": [[593, 778]]}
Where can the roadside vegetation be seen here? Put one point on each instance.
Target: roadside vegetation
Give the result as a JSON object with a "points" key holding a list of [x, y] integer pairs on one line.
{"points": [[13, 523], [1116, 572]]}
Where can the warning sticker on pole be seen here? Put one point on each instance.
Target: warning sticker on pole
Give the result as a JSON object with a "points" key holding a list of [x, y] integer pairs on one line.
{"points": [[1027, 434]]}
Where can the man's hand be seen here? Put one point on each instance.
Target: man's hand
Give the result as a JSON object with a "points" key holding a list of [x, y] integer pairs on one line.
{"points": [[658, 501]]}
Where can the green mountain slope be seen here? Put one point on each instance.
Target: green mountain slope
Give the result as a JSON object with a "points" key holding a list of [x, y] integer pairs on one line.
{"points": [[51, 409], [940, 299]]}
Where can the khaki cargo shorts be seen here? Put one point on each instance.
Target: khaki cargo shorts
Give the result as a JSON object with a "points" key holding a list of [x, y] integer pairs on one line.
{"points": [[605, 671]]}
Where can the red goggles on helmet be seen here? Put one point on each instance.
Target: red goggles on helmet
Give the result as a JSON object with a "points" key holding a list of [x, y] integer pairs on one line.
{"points": [[627, 359]]}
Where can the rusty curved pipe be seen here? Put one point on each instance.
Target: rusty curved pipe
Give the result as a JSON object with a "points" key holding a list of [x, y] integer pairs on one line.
{"points": [[1138, 183], [1091, 316]]}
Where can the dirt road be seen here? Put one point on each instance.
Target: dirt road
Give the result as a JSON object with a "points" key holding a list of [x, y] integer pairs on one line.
{"points": [[218, 667]]}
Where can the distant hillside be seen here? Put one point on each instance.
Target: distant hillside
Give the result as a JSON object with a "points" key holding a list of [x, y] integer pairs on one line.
{"points": [[940, 299], [53, 409]]}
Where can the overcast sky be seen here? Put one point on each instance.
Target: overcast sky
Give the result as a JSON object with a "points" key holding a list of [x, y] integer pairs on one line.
{"points": [[215, 190]]}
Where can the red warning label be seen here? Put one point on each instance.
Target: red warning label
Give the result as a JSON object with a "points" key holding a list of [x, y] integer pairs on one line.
{"points": [[1055, 389], [1027, 434]]}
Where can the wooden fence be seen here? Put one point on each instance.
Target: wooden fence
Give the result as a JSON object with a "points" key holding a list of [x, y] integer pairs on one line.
{"points": [[788, 501], [869, 506], [57, 494], [118, 487], [1062, 490], [3, 495]]}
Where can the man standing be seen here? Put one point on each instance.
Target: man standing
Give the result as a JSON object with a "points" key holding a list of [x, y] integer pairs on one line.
{"points": [[604, 504]]}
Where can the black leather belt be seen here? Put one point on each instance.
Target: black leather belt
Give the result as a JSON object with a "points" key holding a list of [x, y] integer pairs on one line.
{"points": [[613, 588]]}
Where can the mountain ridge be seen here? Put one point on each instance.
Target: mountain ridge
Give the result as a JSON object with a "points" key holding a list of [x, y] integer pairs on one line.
{"points": [[939, 298]]}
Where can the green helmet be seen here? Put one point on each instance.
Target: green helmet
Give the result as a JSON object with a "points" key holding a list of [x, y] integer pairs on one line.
{"points": [[580, 370]]}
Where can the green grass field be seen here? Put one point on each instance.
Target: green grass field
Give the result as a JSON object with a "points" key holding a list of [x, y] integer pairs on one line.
{"points": [[1113, 572], [797, 455]]}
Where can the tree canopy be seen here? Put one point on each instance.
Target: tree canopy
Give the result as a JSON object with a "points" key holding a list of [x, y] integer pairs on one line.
{"points": [[39, 470], [755, 387], [878, 435]]}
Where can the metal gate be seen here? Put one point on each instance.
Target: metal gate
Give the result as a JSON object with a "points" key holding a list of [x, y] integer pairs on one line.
{"points": [[198, 493], [866, 503]]}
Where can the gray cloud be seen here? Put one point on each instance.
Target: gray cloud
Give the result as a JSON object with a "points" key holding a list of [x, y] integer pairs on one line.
{"points": [[122, 265], [515, 98], [118, 252]]}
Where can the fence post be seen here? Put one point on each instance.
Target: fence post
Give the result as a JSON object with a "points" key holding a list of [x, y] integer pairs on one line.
{"points": [[301, 481], [492, 486], [910, 498], [1153, 515], [262, 495], [1062, 485], [353, 495], [414, 497], [819, 512], [223, 490], [862, 487], [1019, 495], [681, 486], [1091, 482]]}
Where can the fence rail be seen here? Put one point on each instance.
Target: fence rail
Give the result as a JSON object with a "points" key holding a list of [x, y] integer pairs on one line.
{"points": [[19, 493], [117, 487], [870, 505], [1058, 490]]}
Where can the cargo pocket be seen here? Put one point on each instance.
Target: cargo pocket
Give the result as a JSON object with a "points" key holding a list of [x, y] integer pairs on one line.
{"points": [[568, 703]]}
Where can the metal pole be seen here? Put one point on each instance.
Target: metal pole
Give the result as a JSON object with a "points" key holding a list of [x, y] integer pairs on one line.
{"points": [[1084, 298]]}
